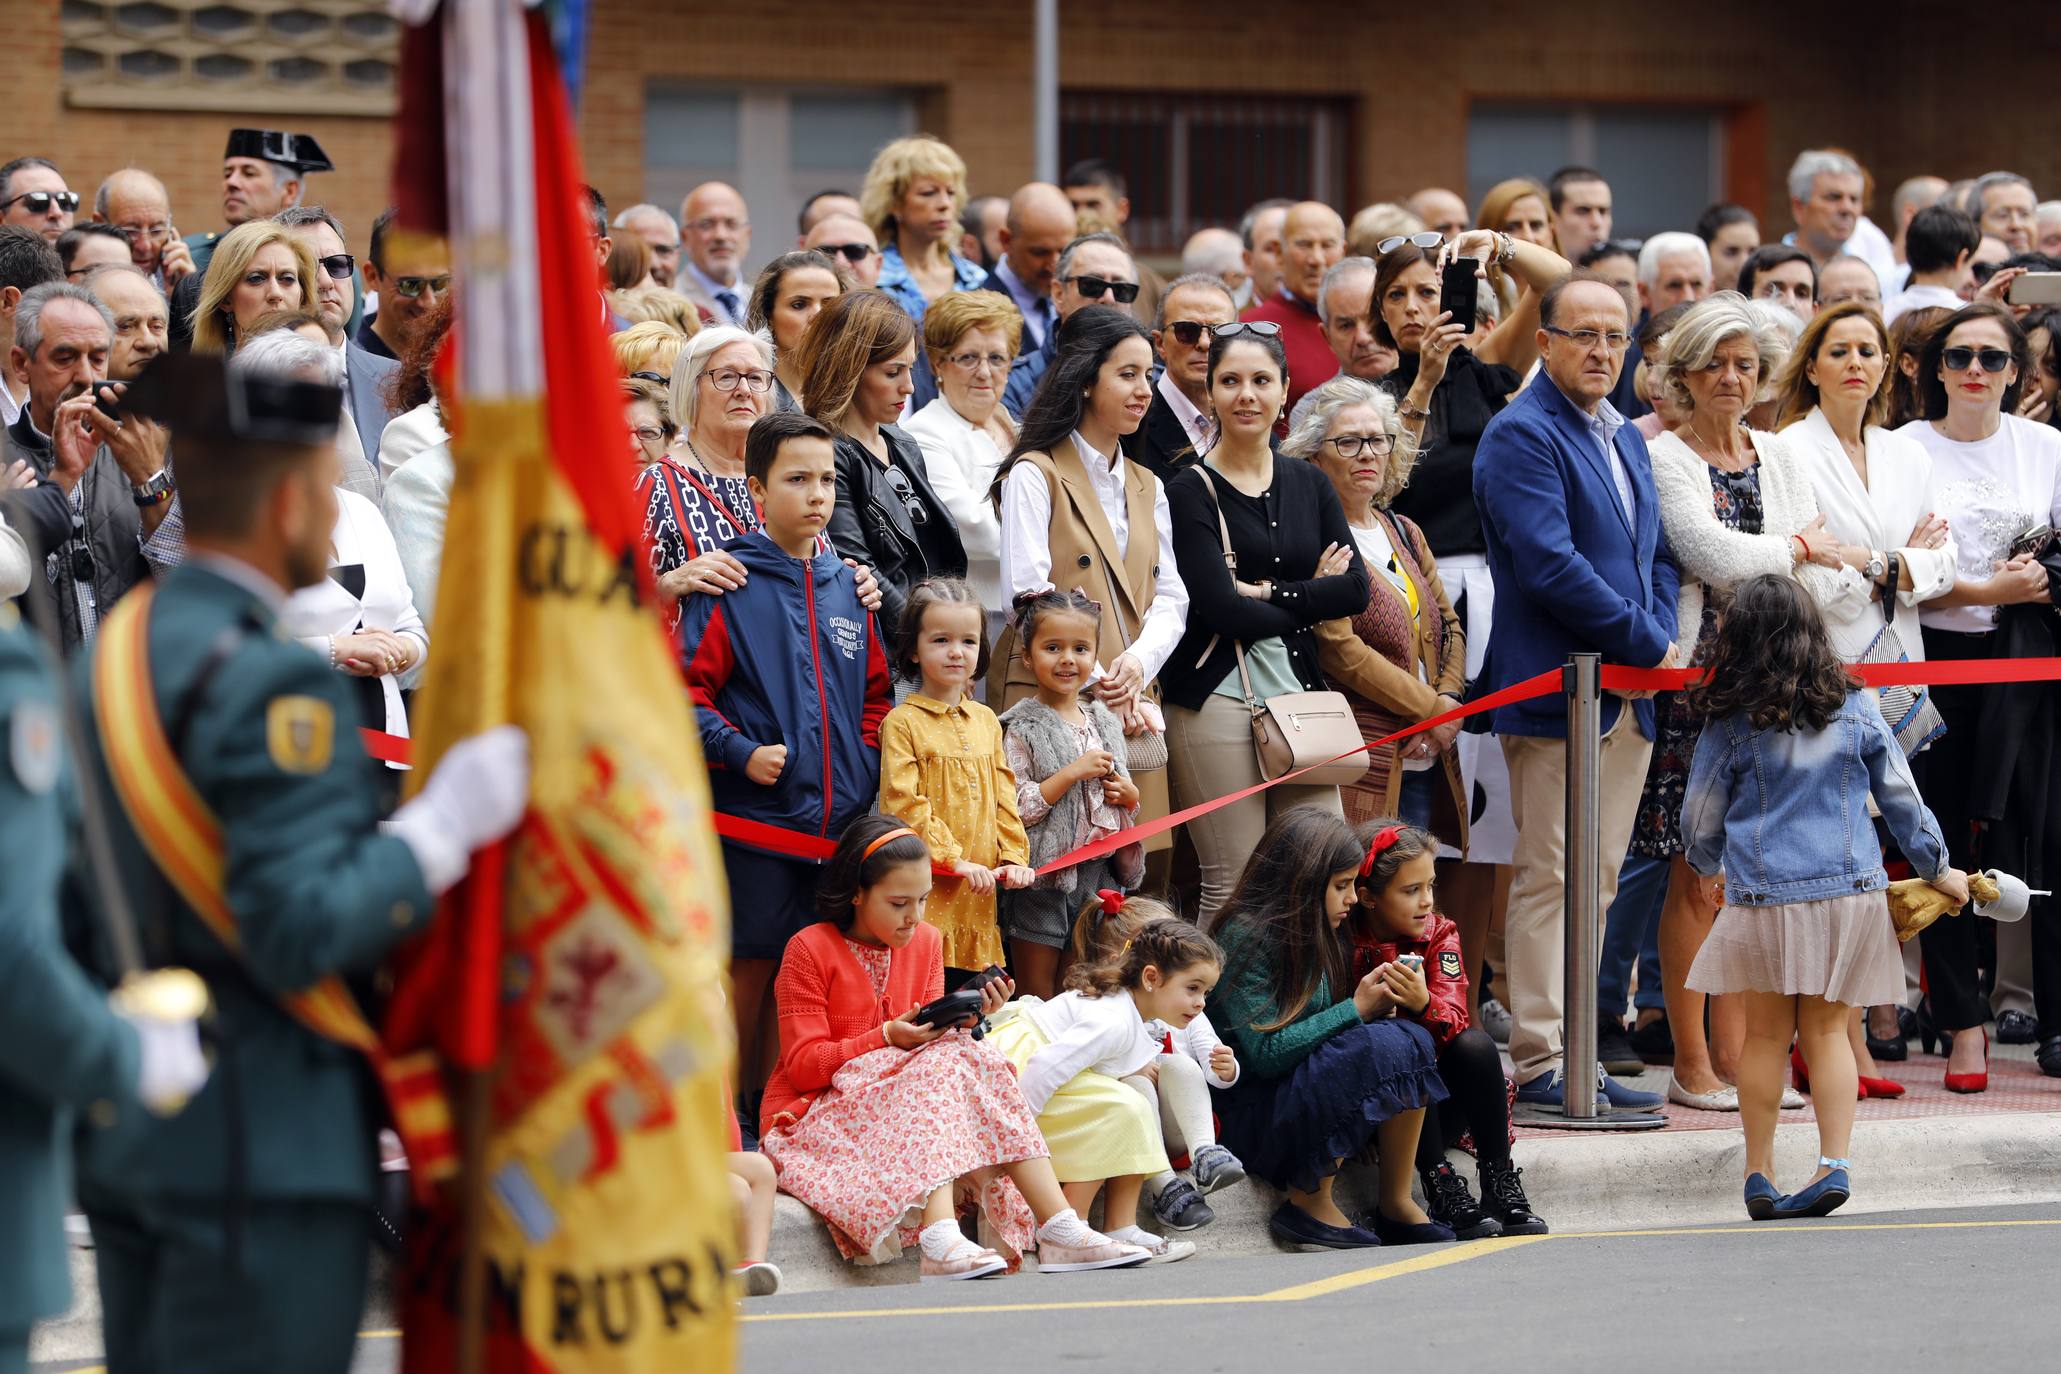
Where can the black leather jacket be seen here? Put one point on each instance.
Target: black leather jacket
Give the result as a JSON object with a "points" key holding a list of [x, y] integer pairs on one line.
{"points": [[873, 524]]}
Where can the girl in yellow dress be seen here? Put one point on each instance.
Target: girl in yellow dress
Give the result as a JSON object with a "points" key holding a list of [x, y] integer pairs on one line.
{"points": [[942, 771]]}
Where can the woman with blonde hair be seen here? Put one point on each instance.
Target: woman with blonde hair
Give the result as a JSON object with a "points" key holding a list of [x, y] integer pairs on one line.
{"points": [[257, 267], [1516, 207], [657, 305], [911, 200], [855, 363]]}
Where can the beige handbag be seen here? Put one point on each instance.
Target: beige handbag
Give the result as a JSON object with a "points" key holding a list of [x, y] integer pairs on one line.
{"points": [[1295, 729]]}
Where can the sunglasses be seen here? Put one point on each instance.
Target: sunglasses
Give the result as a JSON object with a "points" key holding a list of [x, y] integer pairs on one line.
{"points": [[1093, 287], [1430, 238], [1190, 332], [39, 201], [906, 494], [658, 377], [338, 266], [1265, 329], [411, 287], [1959, 359], [852, 252]]}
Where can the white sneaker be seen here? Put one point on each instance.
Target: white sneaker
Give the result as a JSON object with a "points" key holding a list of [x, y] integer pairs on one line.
{"points": [[1725, 1099], [1163, 1249], [1792, 1099], [760, 1280]]}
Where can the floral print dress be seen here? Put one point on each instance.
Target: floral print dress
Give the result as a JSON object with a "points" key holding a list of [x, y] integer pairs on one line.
{"points": [[1657, 833]]}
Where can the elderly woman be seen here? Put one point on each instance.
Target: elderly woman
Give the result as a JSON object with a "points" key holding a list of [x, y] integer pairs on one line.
{"points": [[695, 496], [911, 199], [257, 267], [790, 292], [649, 415], [971, 337], [1735, 503], [1403, 657], [855, 361], [1998, 479]]}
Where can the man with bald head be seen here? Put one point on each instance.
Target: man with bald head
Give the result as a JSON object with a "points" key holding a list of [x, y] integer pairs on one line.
{"points": [[820, 207], [717, 232], [851, 238], [660, 234], [1217, 252], [1440, 209], [136, 203], [1312, 242], [1039, 224]]}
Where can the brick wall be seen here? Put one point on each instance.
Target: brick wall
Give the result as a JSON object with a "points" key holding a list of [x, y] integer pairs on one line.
{"points": [[1900, 89]]}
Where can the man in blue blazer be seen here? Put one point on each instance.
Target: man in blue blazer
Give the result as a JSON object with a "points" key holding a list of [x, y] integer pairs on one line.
{"points": [[1581, 565]]}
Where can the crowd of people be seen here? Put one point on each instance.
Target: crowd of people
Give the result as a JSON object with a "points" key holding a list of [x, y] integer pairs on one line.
{"points": [[984, 543]]}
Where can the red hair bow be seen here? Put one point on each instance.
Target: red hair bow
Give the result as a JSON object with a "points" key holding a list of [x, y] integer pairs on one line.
{"points": [[1112, 900], [1383, 838]]}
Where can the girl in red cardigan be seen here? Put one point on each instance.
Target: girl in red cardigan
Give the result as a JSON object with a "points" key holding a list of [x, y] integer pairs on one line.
{"points": [[871, 1118], [1398, 933]]}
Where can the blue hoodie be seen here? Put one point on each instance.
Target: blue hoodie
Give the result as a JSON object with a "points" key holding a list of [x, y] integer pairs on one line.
{"points": [[792, 657]]}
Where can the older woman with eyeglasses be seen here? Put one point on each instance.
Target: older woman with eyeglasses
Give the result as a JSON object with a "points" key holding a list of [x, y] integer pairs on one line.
{"points": [[650, 420], [1401, 658]]}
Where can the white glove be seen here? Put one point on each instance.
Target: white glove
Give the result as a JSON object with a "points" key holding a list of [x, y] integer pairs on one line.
{"points": [[172, 1068], [476, 795]]}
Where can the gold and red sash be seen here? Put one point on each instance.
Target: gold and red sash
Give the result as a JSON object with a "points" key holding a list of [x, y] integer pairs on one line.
{"points": [[184, 839]]}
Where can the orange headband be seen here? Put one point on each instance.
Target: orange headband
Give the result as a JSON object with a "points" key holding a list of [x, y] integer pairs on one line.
{"points": [[890, 835]]}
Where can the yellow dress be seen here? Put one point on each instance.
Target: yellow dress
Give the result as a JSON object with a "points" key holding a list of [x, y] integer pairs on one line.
{"points": [[942, 771]]}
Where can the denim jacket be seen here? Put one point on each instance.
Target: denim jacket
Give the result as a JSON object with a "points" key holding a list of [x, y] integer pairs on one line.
{"points": [[1785, 812]]}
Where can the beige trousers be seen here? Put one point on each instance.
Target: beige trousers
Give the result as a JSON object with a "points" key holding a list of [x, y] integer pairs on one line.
{"points": [[1535, 934], [1209, 754]]}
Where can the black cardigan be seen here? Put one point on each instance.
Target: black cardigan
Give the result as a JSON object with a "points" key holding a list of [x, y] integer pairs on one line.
{"points": [[1277, 537]]}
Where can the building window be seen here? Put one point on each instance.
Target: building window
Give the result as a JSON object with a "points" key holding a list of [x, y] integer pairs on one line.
{"points": [[1196, 161], [1665, 163], [284, 56]]}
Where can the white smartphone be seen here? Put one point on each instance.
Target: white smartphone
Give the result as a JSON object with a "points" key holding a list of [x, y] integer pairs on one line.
{"points": [[2037, 288]]}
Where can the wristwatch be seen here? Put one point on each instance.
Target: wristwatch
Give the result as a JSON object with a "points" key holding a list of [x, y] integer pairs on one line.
{"points": [[1877, 565], [155, 492]]}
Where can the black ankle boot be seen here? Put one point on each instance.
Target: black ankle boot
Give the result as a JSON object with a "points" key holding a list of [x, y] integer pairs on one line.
{"points": [[1447, 1201], [1502, 1193]]}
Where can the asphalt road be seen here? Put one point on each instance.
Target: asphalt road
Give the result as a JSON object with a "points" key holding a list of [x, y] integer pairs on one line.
{"points": [[1952, 1290]]}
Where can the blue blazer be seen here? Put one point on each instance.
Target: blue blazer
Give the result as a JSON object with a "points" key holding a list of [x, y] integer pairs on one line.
{"points": [[1571, 574]]}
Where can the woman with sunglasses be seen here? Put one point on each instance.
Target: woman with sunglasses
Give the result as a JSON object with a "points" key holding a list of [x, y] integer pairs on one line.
{"points": [[1446, 393], [855, 362], [791, 291], [1998, 479]]}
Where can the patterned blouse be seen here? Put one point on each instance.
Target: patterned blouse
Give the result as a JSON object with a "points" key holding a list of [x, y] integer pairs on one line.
{"points": [[689, 511]]}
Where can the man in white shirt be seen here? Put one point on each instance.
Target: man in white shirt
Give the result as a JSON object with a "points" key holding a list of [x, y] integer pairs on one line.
{"points": [[718, 230], [1939, 246], [1039, 225], [1179, 420], [1826, 194]]}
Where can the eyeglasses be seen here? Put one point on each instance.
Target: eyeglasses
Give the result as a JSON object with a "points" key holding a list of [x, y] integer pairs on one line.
{"points": [[973, 362], [339, 266], [1430, 238], [1190, 332], [852, 252], [727, 380], [1959, 359], [1265, 329], [1615, 340], [411, 287], [658, 377], [151, 233], [899, 481], [39, 201], [727, 225], [1093, 287], [1353, 445], [648, 436]]}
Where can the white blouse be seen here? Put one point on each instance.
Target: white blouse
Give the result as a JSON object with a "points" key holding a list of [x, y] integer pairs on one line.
{"points": [[961, 459], [1990, 491], [1879, 516], [1088, 1034], [1196, 1040], [365, 590]]}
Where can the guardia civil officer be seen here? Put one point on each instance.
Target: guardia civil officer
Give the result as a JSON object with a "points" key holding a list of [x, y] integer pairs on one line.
{"points": [[236, 1236]]}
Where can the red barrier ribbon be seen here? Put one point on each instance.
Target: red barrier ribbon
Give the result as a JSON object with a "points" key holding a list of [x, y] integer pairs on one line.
{"points": [[798, 844]]}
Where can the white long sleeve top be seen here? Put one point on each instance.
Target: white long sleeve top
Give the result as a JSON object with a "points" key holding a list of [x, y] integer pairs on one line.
{"points": [[1088, 1035], [1196, 1040], [961, 459], [1899, 493], [1710, 553]]}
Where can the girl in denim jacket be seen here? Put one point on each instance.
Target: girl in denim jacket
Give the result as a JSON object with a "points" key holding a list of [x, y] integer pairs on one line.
{"points": [[1776, 824]]}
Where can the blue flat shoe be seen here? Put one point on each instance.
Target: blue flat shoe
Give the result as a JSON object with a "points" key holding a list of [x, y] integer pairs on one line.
{"points": [[1761, 1197], [1408, 1232], [1823, 1197], [1299, 1230]]}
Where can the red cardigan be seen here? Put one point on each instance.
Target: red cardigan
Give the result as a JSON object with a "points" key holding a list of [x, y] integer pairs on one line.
{"points": [[1445, 1016], [829, 1015]]}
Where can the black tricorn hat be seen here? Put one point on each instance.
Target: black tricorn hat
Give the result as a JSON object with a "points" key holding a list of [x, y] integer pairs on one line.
{"points": [[298, 151], [199, 397]]}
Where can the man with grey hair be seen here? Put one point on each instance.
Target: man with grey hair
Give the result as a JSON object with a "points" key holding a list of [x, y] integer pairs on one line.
{"points": [[1218, 252], [2005, 205], [1259, 229], [96, 482], [1095, 269], [138, 206], [1674, 268], [661, 234], [366, 375], [2046, 228], [1344, 304], [1178, 426]]}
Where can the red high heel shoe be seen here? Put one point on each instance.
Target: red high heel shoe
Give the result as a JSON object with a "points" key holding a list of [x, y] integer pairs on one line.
{"points": [[1800, 1072], [1970, 1082], [1881, 1087]]}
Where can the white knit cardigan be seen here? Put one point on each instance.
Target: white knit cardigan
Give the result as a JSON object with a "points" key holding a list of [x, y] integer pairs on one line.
{"points": [[1708, 552]]}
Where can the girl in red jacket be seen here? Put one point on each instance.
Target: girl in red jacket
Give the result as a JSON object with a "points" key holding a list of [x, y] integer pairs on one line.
{"points": [[1398, 935], [871, 1115]]}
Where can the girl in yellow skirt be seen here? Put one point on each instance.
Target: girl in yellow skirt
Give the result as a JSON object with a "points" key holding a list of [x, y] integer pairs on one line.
{"points": [[1074, 1051]]}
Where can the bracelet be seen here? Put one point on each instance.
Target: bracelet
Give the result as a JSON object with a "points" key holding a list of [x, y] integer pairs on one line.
{"points": [[1805, 545], [1505, 249], [332, 653], [1410, 412]]}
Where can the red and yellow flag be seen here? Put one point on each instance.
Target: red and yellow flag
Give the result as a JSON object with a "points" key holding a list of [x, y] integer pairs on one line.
{"points": [[580, 966]]}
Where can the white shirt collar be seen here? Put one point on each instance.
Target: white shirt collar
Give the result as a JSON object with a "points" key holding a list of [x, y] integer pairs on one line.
{"points": [[1199, 428]]}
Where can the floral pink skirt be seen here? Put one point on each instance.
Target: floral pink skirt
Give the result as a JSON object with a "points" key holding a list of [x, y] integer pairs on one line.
{"points": [[892, 1128]]}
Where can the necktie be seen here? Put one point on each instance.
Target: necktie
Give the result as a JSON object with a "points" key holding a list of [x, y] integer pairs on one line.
{"points": [[728, 300]]}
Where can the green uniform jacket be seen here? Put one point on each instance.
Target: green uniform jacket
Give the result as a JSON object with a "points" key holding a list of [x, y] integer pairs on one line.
{"points": [[60, 1046], [316, 889]]}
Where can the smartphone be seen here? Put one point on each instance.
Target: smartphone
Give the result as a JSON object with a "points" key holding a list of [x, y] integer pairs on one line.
{"points": [[104, 399], [2037, 288], [1458, 288]]}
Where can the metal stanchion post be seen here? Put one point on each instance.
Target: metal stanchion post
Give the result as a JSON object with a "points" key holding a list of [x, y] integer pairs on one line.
{"points": [[1582, 682]]}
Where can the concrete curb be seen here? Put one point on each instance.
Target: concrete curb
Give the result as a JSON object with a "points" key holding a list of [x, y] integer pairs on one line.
{"points": [[1597, 1181]]}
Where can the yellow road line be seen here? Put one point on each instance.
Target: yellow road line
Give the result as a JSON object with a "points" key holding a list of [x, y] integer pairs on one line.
{"points": [[1416, 1264]]}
